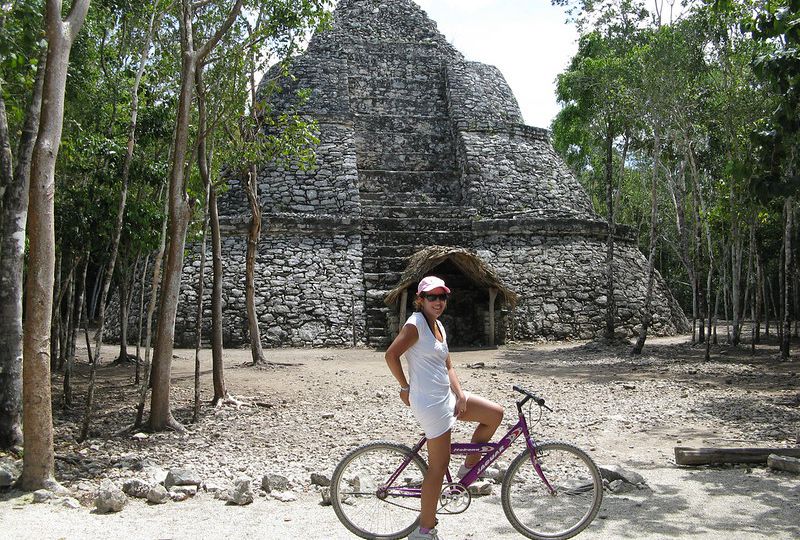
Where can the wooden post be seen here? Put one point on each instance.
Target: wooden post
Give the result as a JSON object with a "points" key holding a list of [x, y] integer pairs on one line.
{"points": [[716, 456], [403, 303], [492, 298]]}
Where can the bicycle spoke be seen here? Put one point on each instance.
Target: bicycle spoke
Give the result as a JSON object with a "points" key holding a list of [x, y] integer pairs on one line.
{"points": [[362, 500], [537, 512]]}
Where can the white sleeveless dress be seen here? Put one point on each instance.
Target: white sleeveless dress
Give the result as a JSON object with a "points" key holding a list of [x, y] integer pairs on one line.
{"points": [[432, 401]]}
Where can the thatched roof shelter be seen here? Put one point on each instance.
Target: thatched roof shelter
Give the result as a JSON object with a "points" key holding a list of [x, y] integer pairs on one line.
{"points": [[422, 262]]}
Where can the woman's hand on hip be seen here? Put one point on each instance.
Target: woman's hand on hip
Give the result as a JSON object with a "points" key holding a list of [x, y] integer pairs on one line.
{"points": [[461, 405]]}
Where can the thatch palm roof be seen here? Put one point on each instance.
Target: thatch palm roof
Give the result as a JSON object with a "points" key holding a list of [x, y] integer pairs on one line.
{"points": [[477, 271]]}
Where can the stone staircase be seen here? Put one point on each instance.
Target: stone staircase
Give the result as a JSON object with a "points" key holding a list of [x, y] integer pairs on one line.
{"points": [[394, 227], [409, 184]]}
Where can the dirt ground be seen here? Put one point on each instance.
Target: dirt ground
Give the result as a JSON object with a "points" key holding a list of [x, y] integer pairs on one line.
{"points": [[302, 416]]}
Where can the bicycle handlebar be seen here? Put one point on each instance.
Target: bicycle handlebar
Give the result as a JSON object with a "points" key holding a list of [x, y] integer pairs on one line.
{"points": [[530, 395]]}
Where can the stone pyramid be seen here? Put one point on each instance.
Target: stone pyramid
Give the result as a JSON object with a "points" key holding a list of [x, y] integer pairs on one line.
{"points": [[419, 147]]}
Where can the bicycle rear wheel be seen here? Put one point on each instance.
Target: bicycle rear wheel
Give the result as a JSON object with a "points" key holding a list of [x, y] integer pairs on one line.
{"points": [[364, 501], [577, 492]]}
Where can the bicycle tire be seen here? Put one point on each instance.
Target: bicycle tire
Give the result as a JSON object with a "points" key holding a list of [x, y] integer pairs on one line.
{"points": [[355, 494], [536, 513]]}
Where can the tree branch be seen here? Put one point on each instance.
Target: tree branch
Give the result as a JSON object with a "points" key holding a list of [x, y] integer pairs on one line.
{"points": [[75, 18], [211, 43]]}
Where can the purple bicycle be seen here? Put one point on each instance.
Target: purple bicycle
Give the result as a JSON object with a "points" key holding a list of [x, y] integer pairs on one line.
{"points": [[551, 490]]}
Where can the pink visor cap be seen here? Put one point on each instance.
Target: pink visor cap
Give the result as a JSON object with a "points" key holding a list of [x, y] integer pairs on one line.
{"points": [[431, 282]]}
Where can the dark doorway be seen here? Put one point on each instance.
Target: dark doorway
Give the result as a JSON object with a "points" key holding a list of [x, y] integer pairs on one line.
{"points": [[466, 319]]}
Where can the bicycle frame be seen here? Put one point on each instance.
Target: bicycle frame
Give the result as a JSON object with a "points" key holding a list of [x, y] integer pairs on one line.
{"points": [[491, 452]]}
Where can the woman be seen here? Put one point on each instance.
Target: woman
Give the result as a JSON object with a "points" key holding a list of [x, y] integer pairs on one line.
{"points": [[435, 395]]}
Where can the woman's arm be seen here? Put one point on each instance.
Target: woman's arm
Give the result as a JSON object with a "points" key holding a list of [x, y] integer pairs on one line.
{"points": [[455, 386], [405, 339]]}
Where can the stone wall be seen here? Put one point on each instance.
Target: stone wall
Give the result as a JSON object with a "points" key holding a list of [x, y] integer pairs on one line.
{"points": [[479, 97], [563, 285], [309, 289], [393, 21], [517, 171], [330, 187]]}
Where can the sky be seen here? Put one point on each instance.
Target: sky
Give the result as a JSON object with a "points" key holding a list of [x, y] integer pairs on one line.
{"points": [[528, 40]]}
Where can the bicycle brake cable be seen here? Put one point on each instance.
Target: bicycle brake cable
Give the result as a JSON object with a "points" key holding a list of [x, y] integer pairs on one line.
{"points": [[530, 421]]}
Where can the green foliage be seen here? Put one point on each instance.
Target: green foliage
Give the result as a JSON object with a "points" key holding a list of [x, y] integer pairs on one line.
{"points": [[778, 24], [719, 83], [252, 131], [21, 43]]}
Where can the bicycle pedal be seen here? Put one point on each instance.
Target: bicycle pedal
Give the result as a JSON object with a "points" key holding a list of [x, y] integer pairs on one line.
{"points": [[455, 498]]}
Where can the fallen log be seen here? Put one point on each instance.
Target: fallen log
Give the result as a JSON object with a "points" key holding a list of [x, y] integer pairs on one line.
{"points": [[720, 456], [784, 463]]}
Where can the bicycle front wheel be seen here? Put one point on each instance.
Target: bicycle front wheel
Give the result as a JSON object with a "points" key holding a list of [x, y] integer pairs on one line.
{"points": [[365, 500], [560, 502]]}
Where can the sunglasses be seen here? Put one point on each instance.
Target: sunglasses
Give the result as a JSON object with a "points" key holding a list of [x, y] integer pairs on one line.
{"points": [[434, 297]]}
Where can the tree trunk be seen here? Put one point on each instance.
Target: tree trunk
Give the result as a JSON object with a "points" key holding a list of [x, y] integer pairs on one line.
{"points": [[254, 233], [202, 165], [203, 159], [38, 459], [753, 282], [154, 288], [709, 281], [611, 304], [67, 326], [179, 214], [737, 250], [726, 290], [788, 211], [199, 322], [795, 298], [15, 182], [95, 295], [65, 306], [141, 318], [220, 390], [123, 319], [55, 320], [716, 314], [678, 192], [646, 312], [759, 300], [768, 299], [699, 208], [749, 276], [108, 275], [78, 319], [719, 456], [702, 301]]}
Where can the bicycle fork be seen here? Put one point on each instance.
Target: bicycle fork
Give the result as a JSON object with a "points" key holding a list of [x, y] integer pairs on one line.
{"points": [[535, 461]]}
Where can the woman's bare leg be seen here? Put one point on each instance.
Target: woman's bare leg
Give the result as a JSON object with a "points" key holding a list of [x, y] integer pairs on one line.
{"points": [[438, 460], [488, 414]]}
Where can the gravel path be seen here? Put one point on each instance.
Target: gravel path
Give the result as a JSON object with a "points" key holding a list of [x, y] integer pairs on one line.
{"points": [[302, 417]]}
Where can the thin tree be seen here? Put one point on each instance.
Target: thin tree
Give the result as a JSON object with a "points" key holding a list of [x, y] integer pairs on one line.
{"points": [[786, 336], [647, 314], [204, 166], [179, 214], [151, 308], [38, 460], [736, 261], [15, 180], [611, 302], [70, 363], [199, 321], [114, 250]]}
